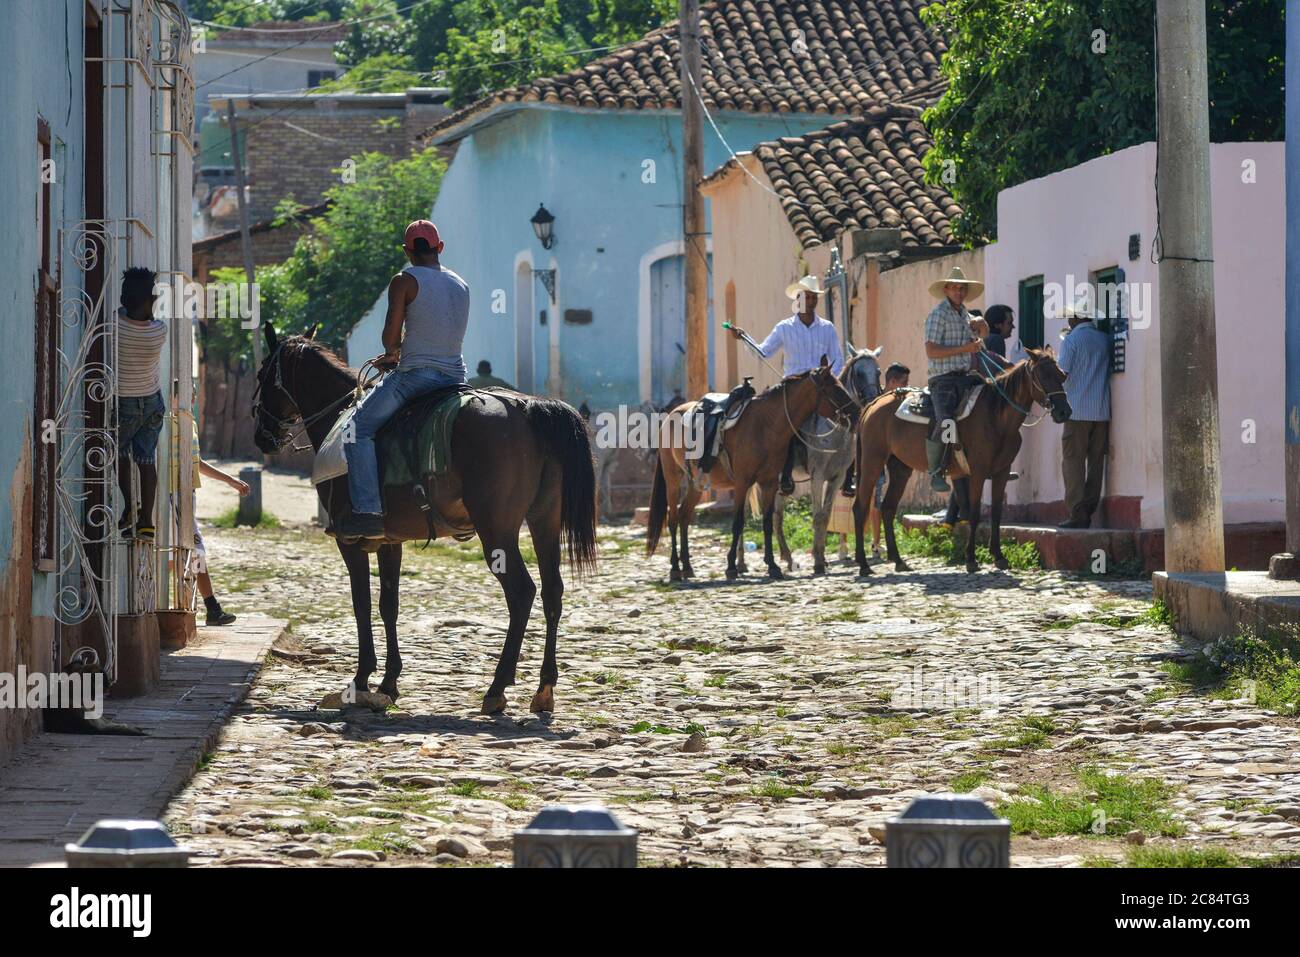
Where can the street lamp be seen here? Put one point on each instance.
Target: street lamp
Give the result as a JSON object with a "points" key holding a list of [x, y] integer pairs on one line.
{"points": [[543, 224]]}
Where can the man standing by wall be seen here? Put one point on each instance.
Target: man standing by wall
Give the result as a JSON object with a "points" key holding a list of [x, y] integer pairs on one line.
{"points": [[1085, 359]]}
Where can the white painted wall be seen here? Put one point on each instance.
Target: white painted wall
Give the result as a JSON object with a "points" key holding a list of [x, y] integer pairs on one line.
{"points": [[1078, 221]]}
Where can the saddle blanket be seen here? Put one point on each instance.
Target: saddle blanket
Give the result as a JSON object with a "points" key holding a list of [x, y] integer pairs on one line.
{"points": [[423, 428], [918, 407]]}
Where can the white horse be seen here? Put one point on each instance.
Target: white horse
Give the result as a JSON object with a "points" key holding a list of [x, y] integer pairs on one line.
{"points": [[830, 453]]}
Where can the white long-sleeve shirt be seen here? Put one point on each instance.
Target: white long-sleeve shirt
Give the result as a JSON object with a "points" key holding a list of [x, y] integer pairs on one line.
{"points": [[803, 346]]}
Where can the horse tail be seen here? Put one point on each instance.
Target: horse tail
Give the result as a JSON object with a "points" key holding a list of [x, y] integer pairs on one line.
{"points": [[563, 431], [658, 508]]}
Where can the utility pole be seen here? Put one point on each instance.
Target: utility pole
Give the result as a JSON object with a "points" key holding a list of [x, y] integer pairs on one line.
{"points": [[697, 268], [1189, 376], [245, 240], [1287, 564]]}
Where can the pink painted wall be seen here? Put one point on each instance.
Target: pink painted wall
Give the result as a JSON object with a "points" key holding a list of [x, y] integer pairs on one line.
{"points": [[1078, 221]]}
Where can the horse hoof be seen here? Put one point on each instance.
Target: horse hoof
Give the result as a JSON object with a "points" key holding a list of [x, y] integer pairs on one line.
{"points": [[544, 700], [688, 572], [972, 567], [675, 575], [389, 688], [819, 568], [902, 567], [864, 571], [732, 574], [493, 704], [774, 571], [1001, 563]]}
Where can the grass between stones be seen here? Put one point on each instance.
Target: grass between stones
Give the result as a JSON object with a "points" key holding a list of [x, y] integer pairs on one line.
{"points": [[1104, 805], [939, 541], [1192, 857], [1262, 668]]}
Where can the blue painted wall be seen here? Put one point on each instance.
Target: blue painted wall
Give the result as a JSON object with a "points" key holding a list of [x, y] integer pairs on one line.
{"points": [[588, 168], [40, 46]]}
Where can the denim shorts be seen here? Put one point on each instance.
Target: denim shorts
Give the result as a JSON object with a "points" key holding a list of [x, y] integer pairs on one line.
{"points": [[139, 423]]}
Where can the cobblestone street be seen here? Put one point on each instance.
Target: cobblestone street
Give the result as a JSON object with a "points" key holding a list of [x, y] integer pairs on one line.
{"points": [[761, 723]]}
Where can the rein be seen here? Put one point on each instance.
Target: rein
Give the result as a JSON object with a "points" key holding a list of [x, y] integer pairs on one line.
{"points": [[989, 366], [785, 399], [284, 425]]}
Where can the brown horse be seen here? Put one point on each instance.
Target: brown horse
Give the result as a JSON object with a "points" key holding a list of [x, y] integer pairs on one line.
{"points": [[989, 437], [513, 457], [753, 451]]}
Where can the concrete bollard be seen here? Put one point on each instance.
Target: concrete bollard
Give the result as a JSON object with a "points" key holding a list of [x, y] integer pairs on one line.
{"points": [[126, 843], [575, 836], [948, 830], [250, 505]]}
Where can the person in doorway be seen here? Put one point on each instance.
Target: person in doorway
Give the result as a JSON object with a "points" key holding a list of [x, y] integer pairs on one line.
{"points": [[1085, 359], [896, 377], [140, 408], [952, 337], [486, 380], [428, 311], [803, 339], [215, 614]]}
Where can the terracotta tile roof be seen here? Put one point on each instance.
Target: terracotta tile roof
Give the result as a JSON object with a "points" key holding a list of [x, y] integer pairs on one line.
{"points": [[855, 54], [860, 174], [281, 31]]}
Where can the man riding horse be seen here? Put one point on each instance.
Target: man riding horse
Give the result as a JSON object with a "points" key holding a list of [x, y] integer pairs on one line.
{"points": [[952, 336], [428, 311], [805, 338]]}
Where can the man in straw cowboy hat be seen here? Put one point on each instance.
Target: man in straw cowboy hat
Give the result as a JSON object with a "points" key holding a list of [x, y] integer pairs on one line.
{"points": [[1085, 359], [804, 338], [952, 336]]}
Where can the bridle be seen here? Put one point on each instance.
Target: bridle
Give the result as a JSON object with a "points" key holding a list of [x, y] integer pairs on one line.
{"points": [[839, 407], [1046, 401], [282, 435]]}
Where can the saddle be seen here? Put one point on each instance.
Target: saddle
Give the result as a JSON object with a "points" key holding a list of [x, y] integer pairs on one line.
{"points": [[413, 448], [919, 404], [715, 413]]}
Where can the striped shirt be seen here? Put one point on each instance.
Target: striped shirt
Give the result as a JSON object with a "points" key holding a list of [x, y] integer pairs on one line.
{"points": [[803, 346], [1085, 359], [945, 326], [139, 353]]}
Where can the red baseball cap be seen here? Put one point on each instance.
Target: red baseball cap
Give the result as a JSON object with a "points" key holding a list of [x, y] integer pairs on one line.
{"points": [[422, 229]]}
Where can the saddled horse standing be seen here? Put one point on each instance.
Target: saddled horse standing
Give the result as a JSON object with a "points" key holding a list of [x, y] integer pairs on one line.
{"points": [[830, 453], [513, 457], [753, 452], [989, 437]]}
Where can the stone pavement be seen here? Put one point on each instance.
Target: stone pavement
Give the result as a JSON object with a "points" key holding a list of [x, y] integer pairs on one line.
{"points": [[60, 784], [756, 723]]}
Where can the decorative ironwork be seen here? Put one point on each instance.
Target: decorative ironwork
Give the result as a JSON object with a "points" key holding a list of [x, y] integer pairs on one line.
{"points": [[547, 276], [85, 476]]}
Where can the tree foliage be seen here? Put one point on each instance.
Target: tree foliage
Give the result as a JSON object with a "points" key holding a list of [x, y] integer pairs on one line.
{"points": [[343, 261], [1038, 86]]}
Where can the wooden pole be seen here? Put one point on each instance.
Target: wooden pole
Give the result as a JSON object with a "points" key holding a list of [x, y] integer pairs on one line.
{"points": [[697, 269], [245, 240], [1189, 379]]}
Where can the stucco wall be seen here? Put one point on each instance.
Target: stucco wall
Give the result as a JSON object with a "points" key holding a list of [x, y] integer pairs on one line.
{"points": [[1078, 221], [589, 169]]}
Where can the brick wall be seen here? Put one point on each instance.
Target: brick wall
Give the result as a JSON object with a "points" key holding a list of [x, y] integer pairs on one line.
{"points": [[297, 154]]}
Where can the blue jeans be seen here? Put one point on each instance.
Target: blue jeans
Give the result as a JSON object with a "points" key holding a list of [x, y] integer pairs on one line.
{"points": [[139, 422], [379, 405]]}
